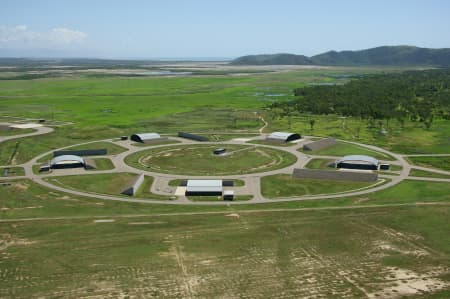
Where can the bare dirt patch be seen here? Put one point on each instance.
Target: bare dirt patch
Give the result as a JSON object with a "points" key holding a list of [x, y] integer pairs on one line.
{"points": [[8, 240], [401, 282]]}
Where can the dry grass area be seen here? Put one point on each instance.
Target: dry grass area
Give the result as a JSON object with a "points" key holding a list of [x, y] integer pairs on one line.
{"points": [[369, 253]]}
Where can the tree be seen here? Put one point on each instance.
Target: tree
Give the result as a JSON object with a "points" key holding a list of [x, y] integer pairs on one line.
{"points": [[312, 123]]}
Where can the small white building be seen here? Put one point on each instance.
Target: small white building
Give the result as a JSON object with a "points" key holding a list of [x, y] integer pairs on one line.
{"points": [[204, 187]]}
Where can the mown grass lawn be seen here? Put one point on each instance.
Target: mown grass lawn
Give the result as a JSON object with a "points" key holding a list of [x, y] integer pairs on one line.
{"points": [[199, 159], [432, 162], [283, 185], [428, 174], [344, 149]]}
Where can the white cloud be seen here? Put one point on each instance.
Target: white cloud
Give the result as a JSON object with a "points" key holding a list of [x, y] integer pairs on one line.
{"points": [[21, 36], [8, 34], [67, 36]]}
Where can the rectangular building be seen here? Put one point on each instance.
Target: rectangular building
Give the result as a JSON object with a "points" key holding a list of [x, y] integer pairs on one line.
{"points": [[204, 187]]}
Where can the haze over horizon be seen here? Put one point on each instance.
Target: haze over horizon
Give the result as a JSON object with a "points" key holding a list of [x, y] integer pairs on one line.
{"points": [[177, 29]]}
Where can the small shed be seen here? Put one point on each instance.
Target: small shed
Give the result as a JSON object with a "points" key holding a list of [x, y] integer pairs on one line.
{"points": [[228, 195]]}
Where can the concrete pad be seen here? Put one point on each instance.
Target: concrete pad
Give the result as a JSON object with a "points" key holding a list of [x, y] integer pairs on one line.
{"points": [[26, 126], [180, 191], [241, 139]]}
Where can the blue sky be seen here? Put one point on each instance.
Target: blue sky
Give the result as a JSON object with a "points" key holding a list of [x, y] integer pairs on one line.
{"points": [[200, 28]]}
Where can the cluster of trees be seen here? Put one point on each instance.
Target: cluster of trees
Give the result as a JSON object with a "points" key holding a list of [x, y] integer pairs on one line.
{"points": [[414, 95]]}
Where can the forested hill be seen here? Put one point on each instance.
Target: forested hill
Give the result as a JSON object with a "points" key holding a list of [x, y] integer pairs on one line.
{"points": [[272, 59], [386, 55]]}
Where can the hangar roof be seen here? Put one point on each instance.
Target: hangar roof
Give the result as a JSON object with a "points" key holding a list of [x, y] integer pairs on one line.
{"points": [[148, 136], [358, 159], [204, 186], [280, 135], [67, 159]]}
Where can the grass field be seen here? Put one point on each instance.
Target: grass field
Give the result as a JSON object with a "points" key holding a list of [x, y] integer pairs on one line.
{"points": [[103, 164], [433, 162], [26, 199], [421, 173], [12, 171], [16, 132], [412, 138], [343, 149], [111, 149], [283, 185], [199, 159], [350, 253], [340, 248], [109, 107], [110, 183], [321, 164]]}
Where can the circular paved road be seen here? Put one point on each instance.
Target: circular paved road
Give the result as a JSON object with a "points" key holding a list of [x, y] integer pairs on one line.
{"points": [[252, 181]]}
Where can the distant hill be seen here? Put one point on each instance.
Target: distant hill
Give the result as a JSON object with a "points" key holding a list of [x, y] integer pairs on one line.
{"points": [[386, 55], [272, 59]]}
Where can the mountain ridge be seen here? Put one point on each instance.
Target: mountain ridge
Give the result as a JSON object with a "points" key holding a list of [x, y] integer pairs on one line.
{"points": [[383, 55]]}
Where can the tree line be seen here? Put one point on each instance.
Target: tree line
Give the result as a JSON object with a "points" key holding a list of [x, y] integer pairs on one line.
{"points": [[412, 95]]}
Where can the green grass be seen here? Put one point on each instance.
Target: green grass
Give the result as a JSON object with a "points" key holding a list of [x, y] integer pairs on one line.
{"points": [[412, 191], [30, 147], [432, 162], [269, 252], [343, 149], [199, 160], [21, 194], [320, 164], [144, 190], [413, 138], [427, 174], [16, 132], [103, 164], [283, 185], [111, 148], [110, 183], [394, 167], [12, 171]]}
